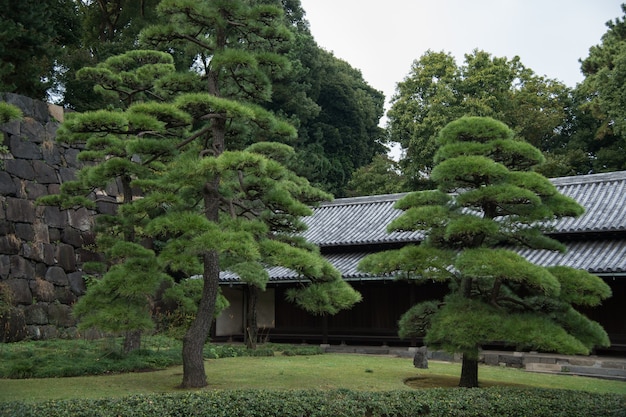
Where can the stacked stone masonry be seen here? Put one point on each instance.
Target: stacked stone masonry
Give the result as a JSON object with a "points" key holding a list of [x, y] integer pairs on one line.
{"points": [[42, 248]]}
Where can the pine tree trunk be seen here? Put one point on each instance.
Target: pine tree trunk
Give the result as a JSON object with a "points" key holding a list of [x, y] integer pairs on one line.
{"points": [[469, 367], [132, 341], [194, 375], [469, 372], [252, 328]]}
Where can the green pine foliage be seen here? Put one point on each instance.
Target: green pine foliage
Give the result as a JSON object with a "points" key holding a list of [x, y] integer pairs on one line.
{"points": [[129, 77], [416, 321], [208, 203], [117, 302], [488, 203], [262, 203], [326, 295], [120, 146], [578, 288]]}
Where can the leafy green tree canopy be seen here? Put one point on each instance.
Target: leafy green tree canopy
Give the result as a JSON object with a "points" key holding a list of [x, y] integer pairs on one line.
{"points": [[438, 91], [345, 134], [602, 99], [382, 176], [32, 35]]}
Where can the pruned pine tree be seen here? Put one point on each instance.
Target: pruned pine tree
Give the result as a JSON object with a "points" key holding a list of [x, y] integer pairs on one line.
{"points": [[224, 207], [121, 146], [261, 205], [488, 203]]}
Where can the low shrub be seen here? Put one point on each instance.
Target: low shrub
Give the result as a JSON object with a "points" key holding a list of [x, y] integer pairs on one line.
{"points": [[291, 350], [232, 351], [64, 358], [490, 402], [224, 351]]}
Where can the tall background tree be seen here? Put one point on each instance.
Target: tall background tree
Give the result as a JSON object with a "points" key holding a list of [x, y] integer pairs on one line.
{"points": [[381, 176], [107, 28], [33, 35], [601, 125], [336, 112], [437, 91], [488, 202], [345, 134]]}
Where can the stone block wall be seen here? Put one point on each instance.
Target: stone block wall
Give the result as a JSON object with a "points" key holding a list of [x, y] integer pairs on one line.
{"points": [[42, 248]]}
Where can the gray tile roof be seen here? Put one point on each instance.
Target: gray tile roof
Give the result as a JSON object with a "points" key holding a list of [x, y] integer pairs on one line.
{"points": [[604, 198], [346, 263], [351, 222], [356, 221], [600, 257], [363, 220]]}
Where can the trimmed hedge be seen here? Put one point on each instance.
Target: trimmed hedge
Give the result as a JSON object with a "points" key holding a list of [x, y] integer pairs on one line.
{"points": [[259, 403]]}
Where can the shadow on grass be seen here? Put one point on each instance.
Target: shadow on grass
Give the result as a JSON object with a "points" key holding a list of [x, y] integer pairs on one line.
{"points": [[449, 381]]}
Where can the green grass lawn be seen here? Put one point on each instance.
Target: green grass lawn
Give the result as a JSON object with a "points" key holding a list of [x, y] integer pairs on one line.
{"points": [[326, 372]]}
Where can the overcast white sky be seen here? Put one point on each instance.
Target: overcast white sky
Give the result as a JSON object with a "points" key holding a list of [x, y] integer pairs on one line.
{"points": [[382, 38]]}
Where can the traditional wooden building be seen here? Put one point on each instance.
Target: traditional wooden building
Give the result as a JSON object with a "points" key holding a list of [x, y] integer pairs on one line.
{"points": [[348, 229]]}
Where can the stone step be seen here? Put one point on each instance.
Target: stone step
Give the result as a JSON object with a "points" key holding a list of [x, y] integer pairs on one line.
{"points": [[543, 367], [596, 371], [566, 369]]}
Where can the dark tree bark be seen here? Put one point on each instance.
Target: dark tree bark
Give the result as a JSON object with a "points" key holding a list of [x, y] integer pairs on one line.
{"points": [[194, 375], [252, 327], [469, 373], [132, 341], [12, 324]]}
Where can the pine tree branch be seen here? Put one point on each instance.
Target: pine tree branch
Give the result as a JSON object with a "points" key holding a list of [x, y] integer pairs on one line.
{"points": [[495, 291], [514, 301]]}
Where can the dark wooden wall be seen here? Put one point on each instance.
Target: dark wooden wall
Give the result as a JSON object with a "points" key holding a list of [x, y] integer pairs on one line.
{"points": [[373, 321]]}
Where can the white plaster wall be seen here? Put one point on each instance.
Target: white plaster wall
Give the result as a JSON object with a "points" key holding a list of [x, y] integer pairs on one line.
{"points": [[230, 322], [265, 309]]}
